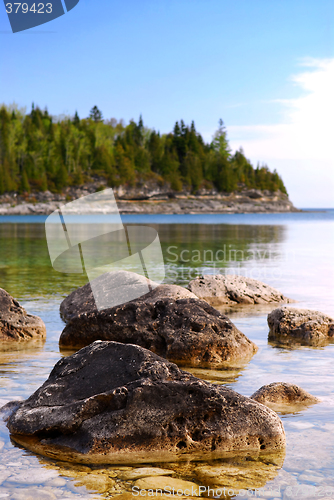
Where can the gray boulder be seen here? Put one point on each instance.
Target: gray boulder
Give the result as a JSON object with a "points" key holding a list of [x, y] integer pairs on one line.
{"points": [[113, 403], [186, 331], [219, 290], [16, 325], [283, 393], [288, 324], [117, 288]]}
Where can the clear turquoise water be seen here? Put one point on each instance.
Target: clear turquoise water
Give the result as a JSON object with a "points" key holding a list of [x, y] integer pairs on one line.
{"points": [[293, 252]]}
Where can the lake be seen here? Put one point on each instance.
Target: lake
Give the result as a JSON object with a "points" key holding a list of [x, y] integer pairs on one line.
{"points": [[292, 252]]}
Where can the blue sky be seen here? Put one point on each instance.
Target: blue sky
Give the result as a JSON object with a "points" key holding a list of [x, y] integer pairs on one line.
{"points": [[264, 67]]}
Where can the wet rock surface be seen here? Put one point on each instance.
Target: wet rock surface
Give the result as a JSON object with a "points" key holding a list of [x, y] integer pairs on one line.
{"points": [[283, 393], [219, 290], [288, 324], [120, 285], [113, 403], [16, 325], [187, 331]]}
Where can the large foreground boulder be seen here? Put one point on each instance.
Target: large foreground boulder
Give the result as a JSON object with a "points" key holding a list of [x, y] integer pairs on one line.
{"points": [[112, 403], [283, 393], [16, 325], [288, 324], [185, 331], [219, 290]]}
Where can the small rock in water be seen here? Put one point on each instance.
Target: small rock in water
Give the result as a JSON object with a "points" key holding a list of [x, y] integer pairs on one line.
{"points": [[288, 324], [16, 325], [220, 290], [96, 482], [282, 393]]}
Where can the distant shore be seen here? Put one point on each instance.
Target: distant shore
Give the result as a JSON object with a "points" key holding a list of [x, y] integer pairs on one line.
{"points": [[158, 201]]}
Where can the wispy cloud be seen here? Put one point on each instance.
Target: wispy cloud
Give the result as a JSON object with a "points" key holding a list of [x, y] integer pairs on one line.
{"points": [[301, 145], [307, 128]]}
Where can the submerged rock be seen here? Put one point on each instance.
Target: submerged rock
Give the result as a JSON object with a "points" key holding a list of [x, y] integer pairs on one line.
{"points": [[99, 483], [241, 474], [167, 484], [186, 331], [16, 325], [113, 403], [282, 393], [311, 327], [141, 472], [220, 290]]}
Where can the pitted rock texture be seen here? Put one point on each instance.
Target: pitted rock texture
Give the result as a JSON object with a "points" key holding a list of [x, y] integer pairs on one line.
{"points": [[186, 331], [16, 325], [110, 402], [311, 327], [219, 290], [120, 284], [283, 393]]}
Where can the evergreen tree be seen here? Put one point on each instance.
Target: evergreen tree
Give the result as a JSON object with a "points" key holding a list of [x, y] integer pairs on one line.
{"points": [[76, 119], [95, 114], [61, 178], [38, 153], [24, 185], [220, 143]]}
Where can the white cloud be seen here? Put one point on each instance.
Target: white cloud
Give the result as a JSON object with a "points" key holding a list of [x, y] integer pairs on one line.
{"points": [[302, 146]]}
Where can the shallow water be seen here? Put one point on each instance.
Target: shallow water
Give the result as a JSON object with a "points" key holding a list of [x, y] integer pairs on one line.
{"points": [[293, 252]]}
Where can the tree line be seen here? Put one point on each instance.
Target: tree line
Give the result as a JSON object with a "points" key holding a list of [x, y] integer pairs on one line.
{"points": [[39, 153]]}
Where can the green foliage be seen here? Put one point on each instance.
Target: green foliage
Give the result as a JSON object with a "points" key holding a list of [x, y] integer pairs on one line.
{"points": [[24, 185], [37, 154]]}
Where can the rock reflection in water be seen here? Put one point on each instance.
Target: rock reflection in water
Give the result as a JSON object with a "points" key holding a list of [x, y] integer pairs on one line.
{"points": [[22, 347], [244, 471], [291, 343], [226, 375]]}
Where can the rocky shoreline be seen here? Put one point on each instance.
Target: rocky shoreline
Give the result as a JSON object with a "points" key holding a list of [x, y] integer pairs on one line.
{"points": [[153, 199], [123, 397]]}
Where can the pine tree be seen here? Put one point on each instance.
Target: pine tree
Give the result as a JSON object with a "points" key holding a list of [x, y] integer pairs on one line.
{"points": [[44, 182], [76, 119], [220, 143], [24, 185], [2, 185], [36, 153], [61, 178], [95, 114]]}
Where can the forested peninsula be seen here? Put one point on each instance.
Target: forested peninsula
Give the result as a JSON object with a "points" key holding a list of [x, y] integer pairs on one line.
{"points": [[45, 160]]}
